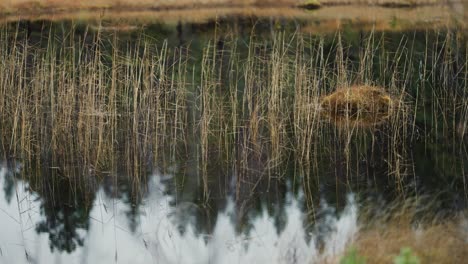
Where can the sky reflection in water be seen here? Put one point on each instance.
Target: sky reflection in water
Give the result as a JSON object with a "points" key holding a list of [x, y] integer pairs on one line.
{"points": [[158, 237]]}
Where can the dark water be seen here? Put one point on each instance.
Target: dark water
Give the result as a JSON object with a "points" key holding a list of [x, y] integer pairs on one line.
{"points": [[241, 193]]}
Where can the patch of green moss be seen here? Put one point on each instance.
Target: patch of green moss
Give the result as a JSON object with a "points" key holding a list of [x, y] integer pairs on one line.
{"points": [[406, 257], [352, 257], [399, 4]]}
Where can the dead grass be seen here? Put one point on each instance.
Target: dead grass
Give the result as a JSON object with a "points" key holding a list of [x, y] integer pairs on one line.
{"points": [[433, 240], [360, 105], [18, 5], [379, 18], [388, 3], [33, 9], [45, 5], [331, 16], [439, 243]]}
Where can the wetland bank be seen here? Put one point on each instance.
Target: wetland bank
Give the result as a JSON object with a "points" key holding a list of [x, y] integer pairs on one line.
{"points": [[238, 139]]}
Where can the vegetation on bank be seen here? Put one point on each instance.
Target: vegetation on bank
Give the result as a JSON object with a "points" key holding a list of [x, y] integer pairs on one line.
{"points": [[406, 257], [19, 6]]}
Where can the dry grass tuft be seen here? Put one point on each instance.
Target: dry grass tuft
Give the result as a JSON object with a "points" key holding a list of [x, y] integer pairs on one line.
{"points": [[358, 105], [441, 243], [412, 223]]}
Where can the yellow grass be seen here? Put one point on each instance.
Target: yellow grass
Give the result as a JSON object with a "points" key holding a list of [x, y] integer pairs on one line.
{"points": [[358, 105], [128, 15], [381, 18], [391, 3], [20, 6], [30, 5]]}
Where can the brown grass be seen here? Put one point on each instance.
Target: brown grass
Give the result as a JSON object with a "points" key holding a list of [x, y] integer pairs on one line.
{"points": [[359, 105], [37, 5], [195, 10], [389, 3], [412, 223], [13, 5], [440, 243], [372, 14], [431, 239], [409, 223]]}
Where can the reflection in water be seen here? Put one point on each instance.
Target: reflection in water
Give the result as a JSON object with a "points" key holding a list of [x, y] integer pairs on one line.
{"points": [[65, 207], [159, 236]]}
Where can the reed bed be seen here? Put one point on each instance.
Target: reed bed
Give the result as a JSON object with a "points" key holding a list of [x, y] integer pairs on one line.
{"points": [[97, 101]]}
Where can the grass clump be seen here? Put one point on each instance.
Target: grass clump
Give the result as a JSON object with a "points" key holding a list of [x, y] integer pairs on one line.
{"points": [[360, 105]]}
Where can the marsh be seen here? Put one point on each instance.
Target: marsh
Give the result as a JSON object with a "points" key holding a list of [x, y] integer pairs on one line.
{"points": [[262, 136]]}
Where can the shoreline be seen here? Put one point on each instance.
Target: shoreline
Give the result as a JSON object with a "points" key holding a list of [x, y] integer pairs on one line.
{"points": [[324, 19]]}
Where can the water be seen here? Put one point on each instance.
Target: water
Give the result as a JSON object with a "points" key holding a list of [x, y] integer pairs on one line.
{"points": [[205, 143], [160, 236]]}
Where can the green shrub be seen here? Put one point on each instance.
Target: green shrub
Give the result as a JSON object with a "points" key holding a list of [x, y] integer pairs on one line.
{"points": [[352, 257], [406, 257]]}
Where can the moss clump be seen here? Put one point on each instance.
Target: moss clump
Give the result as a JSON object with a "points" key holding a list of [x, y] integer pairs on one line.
{"points": [[310, 4], [357, 105]]}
